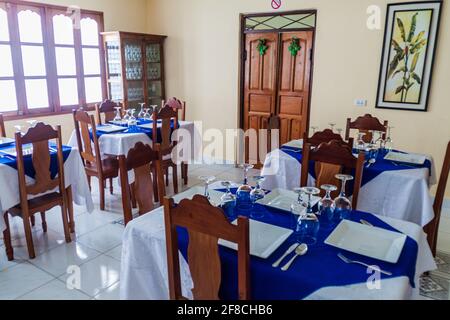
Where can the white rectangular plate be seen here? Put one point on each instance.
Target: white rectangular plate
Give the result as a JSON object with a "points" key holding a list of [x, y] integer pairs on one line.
{"points": [[411, 158], [6, 142], [368, 241], [110, 128], [283, 199], [264, 239], [294, 144]]}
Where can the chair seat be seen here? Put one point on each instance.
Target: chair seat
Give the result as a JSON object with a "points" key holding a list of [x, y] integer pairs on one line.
{"points": [[110, 168], [39, 204]]}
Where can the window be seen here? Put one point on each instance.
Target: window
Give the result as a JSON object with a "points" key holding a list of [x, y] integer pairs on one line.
{"points": [[51, 59]]}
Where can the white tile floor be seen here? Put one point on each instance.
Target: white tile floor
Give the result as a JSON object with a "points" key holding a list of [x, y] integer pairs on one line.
{"points": [[96, 250]]}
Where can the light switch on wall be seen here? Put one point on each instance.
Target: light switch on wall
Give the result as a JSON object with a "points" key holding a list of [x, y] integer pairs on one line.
{"points": [[360, 102]]}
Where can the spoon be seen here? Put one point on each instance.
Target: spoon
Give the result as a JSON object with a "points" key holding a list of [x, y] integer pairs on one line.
{"points": [[288, 252], [300, 251], [371, 162]]}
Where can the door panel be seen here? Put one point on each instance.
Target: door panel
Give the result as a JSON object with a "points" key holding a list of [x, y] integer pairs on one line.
{"points": [[260, 82], [294, 89]]}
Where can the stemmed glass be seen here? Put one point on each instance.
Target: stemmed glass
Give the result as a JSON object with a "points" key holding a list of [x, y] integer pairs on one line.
{"points": [[32, 123], [339, 131], [306, 222], [141, 113], [207, 180], [327, 206], [244, 202], [361, 144], [332, 125], [18, 128], [118, 116], [132, 121], [147, 114], [257, 194], [389, 144], [343, 205], [228, 201]]}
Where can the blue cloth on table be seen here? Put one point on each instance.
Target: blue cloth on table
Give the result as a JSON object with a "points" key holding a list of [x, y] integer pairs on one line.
{"points": [[370, 173], [147, 131], [28, 162], [319, 268]]}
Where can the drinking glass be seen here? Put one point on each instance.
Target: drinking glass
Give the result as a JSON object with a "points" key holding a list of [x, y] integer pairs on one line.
{"points": [[389, 144], [327, 207], [207, 180], [257, 194], [306, 222], [244, 202], [32, 123], [18, 128], [343, 206], [332, 125], [228, 201], [361, 144], [118, 116], [141, 113], [132, 121], [339, 131], [147, 114]]}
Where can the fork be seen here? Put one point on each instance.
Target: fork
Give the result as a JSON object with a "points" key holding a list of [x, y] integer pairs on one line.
{"points": [[348, 261]]}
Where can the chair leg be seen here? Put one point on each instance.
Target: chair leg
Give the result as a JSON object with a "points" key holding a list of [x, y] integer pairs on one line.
{"points": [[7, 239], [69, 198], [65, 223], [89, 182], [33, 220], [133, 196], [175, 178], [155, 184], [29, 237], [44, 223], [101, 187], [111, 188]]}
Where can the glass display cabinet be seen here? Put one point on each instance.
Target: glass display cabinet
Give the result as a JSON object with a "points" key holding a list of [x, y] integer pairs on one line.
{"points": [[134, 68]]}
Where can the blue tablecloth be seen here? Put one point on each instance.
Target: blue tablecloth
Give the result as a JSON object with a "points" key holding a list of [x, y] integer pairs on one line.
{"points": [[29, 169], [319, 268], [147, 131], [369, 173]]}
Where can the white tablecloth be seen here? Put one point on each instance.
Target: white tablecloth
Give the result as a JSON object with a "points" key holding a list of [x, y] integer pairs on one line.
{"points": [[117, 144], [144, 264], [400, 194], [74, 175]]}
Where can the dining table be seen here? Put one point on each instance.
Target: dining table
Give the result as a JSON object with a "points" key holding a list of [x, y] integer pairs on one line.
{"points": [[390, 189], [120, 142], [319, 274], [74, 175]]}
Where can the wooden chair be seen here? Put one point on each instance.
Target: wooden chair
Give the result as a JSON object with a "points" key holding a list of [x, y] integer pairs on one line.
{"points": [[326, 136], [205, 224], [2, 127], [107, 108], [365, 124], [166, 115], [43, 184], [140, 160], [339, 158], [432, 228], [181, 109], [94, 165]]}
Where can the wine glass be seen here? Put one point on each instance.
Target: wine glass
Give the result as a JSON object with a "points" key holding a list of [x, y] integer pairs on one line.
{"points": [[327, 206], [132, 121], [207, 180], [257, 194], [126, 116], [361, 144], [118, 116], [389, 144], [307, 224], [244, 202], [332, 125], [343, 205], [141, 113], [147, 115], [228, 201], [32, 123], [339, 131]]}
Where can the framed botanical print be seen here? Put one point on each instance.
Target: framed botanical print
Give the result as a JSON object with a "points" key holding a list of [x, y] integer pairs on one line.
{"points": [[408, 54]]}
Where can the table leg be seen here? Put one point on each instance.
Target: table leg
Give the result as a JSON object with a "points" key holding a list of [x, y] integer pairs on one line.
{"points": [[70, 209]]}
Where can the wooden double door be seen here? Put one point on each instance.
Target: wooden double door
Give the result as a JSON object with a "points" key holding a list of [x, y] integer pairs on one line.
{"points": [[277, 82]]}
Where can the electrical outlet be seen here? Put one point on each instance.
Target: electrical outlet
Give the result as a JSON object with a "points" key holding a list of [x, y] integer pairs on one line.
{"points": [[360, 103]]}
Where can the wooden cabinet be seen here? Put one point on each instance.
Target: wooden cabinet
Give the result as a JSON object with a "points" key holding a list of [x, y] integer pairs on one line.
{"points": [[134, 68]]}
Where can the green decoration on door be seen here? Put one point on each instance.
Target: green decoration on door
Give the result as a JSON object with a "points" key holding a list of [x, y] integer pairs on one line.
{"points": [[262, 47], [295, 47]]}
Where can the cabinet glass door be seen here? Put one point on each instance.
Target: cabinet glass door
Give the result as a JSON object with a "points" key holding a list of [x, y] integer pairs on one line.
{"points": [[154, 73], [114, 66], [134, 73]]}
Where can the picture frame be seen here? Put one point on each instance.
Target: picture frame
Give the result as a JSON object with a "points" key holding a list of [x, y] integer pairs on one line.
{"points": [[407, 60]]}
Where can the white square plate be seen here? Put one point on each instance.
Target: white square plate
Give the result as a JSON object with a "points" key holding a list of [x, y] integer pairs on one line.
{"points": [[264, 239], [368, 241], [294, 144], [110, 128], [410, 158], [283, 199]]}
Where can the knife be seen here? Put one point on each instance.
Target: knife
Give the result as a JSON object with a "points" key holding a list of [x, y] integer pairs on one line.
{"points": [[288, 252]]}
